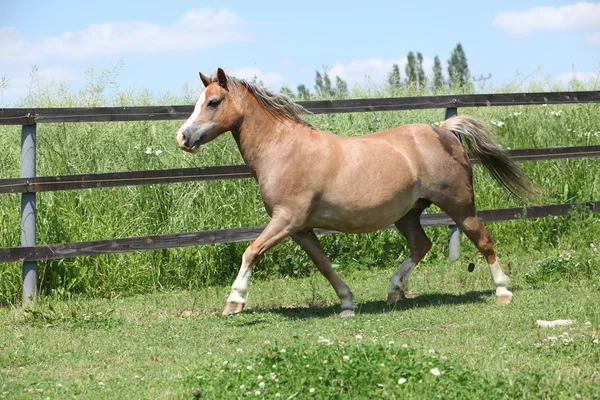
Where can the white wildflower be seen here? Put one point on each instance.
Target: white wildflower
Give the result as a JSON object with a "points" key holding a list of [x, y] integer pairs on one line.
{"points": [[277, 394], [595, 341], [267, 342], [435, 371], [405, 346], [239, 350], [402, 381], [249, 367], [431, 351], [311, 390], [101, 384], [149, 150], [516, 114], [346, 358], [588, 324], [242, 387], [260, 377], [261, 385], [273, 375], [257, 392], [282, 351], [157, 152], [358, 337]]}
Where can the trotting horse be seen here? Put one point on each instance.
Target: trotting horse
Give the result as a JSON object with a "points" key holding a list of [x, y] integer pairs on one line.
{"points": [[312, 179]]}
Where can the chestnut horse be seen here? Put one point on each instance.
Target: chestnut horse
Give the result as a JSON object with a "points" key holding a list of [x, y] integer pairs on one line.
{"points": [[312, 179]]}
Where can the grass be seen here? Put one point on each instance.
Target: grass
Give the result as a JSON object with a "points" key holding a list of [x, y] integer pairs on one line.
{"points": [[176, 345], [74, 148]]}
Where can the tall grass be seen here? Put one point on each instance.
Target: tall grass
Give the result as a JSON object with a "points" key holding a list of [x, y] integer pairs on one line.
{"points": [[74, 148]]}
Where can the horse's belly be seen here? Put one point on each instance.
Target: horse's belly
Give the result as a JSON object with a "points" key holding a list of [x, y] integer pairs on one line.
{"points": [[359, 218]]}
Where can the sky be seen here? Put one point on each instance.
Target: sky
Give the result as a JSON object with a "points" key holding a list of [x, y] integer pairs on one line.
{"points": [[163, 45]]}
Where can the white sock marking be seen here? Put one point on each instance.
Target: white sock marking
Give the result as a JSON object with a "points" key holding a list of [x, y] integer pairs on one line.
{"points": [[239, 289]]}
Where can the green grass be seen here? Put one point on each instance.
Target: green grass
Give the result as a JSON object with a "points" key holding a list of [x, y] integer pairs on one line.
{"points": [[75, 148], [176, 345]]}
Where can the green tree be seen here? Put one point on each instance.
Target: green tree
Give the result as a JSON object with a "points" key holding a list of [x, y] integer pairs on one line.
{"points": [[341, 87], [458, 68], [326, 83], [421, 77], [319, 84], [287, 91], [303, 92], [410, 69], [394, 77], [438, 79]]}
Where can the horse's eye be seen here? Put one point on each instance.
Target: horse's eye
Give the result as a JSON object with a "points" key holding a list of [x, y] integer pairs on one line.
{"points": [[213, 102]]}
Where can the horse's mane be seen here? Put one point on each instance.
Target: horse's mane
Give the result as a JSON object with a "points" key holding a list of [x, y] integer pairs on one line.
{"points": [[278, 105]]}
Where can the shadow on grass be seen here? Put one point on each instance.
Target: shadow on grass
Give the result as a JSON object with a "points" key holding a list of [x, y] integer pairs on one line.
{"points": [[380, 307]]}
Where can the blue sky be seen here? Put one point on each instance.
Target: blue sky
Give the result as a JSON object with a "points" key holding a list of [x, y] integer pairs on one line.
{"points": [[165, 44]]}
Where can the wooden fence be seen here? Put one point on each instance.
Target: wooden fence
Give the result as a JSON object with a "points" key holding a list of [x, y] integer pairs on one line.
{"points": [[28, 184]]}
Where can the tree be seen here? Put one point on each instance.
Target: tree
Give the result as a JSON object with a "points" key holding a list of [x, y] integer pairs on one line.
{"points": [[326, 83], [303, 92], [341, 87], [421, 78], [319, 84], [438, 79], [324, 88], [410, 69], [458, 68], [287, 91], [394, 77]]}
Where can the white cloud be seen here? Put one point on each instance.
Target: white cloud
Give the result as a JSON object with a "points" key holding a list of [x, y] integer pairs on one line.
{"points": [[195, 30], [268, 78], [19, 84], [580, 76], [375, 68], [573, 17]]}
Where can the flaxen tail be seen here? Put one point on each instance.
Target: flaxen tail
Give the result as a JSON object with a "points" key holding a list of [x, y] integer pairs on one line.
{"points": [[479, 139]]}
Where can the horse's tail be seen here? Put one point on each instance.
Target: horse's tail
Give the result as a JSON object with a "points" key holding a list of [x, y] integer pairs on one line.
{"points": [[506, 172]]}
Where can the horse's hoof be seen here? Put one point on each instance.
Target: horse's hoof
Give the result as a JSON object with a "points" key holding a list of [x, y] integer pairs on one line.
{"points": [[394, 297], [347, 313], [233, 308], [505, 299]]}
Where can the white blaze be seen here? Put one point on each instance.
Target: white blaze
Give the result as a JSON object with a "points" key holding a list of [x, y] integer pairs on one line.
{"points": [[194, 116]]}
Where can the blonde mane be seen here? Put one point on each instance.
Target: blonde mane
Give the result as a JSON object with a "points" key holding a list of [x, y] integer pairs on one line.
{"points": [[278, 105]]}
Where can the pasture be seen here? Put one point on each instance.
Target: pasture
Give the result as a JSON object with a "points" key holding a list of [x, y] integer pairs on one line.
{"points": [[144, 324]]}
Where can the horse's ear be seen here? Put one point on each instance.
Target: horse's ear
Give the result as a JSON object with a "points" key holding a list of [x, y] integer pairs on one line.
{"points": [[222, 78], [205, 79]]}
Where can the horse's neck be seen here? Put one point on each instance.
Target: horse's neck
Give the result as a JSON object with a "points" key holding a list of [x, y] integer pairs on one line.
{"points": [[261, 138]]}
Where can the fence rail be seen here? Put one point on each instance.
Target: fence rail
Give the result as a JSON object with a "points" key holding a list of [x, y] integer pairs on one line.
{"points": [[106, 180], [29, 116], [127, 245], [28, 184]]}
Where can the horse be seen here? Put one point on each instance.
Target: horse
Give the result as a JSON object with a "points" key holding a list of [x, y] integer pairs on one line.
{"points": [[312, 179]]}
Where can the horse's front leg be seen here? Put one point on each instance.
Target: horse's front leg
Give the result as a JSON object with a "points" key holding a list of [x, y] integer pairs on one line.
{"points": [[278, 229], [311, 245]]}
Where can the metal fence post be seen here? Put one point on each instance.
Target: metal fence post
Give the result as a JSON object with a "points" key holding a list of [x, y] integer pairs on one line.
{"points": [[454, 239], [28, 212]]}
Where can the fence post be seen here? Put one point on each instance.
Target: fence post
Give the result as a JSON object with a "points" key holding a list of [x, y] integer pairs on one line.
{"points": [[454, 239], [28, 212]]}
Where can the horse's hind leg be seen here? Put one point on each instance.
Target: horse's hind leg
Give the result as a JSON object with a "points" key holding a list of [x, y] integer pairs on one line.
{"points": [[311, 245], [419, 244], [480, 236]]}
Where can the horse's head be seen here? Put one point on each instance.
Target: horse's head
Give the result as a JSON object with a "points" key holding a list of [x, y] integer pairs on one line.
{"points": [[216, 112]]}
